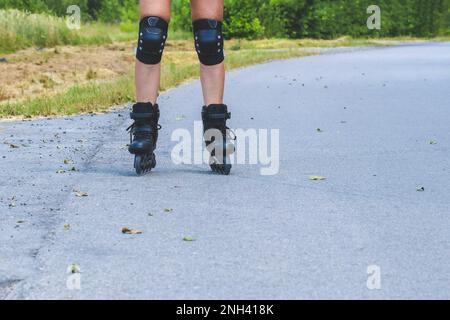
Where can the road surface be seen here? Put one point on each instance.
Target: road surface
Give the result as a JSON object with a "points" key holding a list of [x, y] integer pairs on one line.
{"points": [[375, 123]]}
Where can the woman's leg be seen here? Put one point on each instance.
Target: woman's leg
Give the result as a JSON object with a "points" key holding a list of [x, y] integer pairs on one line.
{"points": [[212, 76], [148, 75], [207, 16]]}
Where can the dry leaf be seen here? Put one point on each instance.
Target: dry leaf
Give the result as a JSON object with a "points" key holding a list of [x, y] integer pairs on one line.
{"points": [[130, 231], [317, 178], [80, 194], [74, 268]]}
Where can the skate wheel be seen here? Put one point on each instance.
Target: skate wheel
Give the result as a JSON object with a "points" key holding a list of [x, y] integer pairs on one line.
{"points": [[144, 163], [138, 161], [223, 169]]}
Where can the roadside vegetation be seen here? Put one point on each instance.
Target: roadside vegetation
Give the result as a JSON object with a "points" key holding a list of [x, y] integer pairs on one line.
{"points": [[92, 88], [48, 69]]}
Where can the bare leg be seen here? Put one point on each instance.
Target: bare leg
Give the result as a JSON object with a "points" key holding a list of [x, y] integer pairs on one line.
{"points": [[212, 77], [147, 77]]}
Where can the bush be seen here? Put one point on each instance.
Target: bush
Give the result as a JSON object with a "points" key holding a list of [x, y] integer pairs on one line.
{"points": [[241, 19]]}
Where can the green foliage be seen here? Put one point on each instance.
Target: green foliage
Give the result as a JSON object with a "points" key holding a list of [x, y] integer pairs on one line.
{"points": [[181, 15], [275, 18], [242, 19]]}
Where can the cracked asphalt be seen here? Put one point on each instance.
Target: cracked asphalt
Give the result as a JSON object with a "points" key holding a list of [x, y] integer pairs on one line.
{"points": [[374, 122]]}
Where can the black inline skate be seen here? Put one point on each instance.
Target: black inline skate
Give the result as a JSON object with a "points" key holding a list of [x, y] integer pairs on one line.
{"points": [[214, 119], [143, 136]]}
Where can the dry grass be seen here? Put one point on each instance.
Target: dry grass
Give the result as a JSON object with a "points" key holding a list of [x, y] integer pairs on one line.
{"points": [[94, 78]]}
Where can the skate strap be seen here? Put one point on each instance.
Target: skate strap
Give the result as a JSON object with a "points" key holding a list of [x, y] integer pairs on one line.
{"points": [[218, 116], [136, 116]]}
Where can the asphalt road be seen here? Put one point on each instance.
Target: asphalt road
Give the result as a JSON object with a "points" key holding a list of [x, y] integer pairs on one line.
{"points": [[383, 116]]}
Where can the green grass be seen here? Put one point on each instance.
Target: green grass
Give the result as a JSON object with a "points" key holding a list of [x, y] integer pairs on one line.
{"points": [[97, 97], [21, 30]]}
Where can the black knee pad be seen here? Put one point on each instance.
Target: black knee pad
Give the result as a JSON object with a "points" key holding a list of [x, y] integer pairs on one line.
{"points": [[152, 39], [209, 41]]}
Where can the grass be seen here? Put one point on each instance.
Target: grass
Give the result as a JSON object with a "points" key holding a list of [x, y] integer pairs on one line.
{"points": [[96, 97], [20, 30]]}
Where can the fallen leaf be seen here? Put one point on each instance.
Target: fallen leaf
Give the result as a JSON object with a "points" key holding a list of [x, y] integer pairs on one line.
{"points": [[67, 161], [130, 231], [80, 194], [74, 268], [317, 178], [188, 239]]}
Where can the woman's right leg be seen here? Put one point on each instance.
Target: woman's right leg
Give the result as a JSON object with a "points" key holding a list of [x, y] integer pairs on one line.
{"points": [[147, 76]]}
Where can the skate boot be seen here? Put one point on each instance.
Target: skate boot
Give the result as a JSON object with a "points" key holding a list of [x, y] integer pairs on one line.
{"points": [[143, 136], [218, 137]]}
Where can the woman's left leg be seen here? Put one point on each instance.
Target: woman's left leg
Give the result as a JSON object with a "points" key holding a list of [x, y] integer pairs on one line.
{"points": [[207, 16], [212, 74]]}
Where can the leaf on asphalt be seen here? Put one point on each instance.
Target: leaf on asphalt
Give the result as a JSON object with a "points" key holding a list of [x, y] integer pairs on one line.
{"points": [[168, 210], [74, 268], [420, 189], [12, 204], [188, 239], [12, 146], [317, 178], [80, 194], [130, 231]]}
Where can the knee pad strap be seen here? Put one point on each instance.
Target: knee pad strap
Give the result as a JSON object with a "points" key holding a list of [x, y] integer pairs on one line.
{"points": [[152, 39], [209, 41]]}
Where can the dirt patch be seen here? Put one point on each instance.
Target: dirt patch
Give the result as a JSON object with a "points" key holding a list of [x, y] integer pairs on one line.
{"points": [[35, 72]]}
